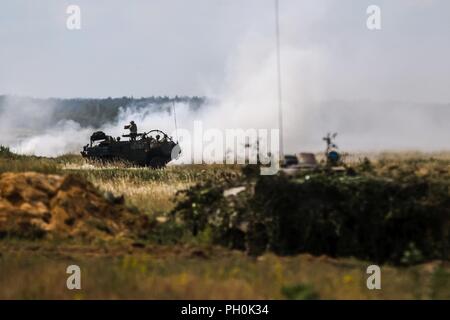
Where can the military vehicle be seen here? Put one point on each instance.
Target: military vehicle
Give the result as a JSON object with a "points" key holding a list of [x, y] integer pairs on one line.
{"points": [[149, 149]]}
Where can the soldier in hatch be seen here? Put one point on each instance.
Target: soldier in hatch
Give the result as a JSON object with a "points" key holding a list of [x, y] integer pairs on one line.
{"points": [[133, 130]]}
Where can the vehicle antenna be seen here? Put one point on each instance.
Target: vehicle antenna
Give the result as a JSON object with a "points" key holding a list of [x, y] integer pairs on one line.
{"points": [[175, 119]]}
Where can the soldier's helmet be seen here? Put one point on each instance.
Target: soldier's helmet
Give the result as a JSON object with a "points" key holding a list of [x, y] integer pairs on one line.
{"points": [[132, 122]]}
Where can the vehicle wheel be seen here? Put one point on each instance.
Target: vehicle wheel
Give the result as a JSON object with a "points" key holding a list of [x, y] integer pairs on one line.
{"points": [[157, 162]]}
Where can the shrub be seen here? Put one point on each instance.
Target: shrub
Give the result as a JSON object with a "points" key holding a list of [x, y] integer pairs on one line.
{"points": [[5, 152], [367, 217], [403, 221]]}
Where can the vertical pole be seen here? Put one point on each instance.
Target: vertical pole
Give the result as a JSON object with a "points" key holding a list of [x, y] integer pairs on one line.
{"points": [[280, 105]]}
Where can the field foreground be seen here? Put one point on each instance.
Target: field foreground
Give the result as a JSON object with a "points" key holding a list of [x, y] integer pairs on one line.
{"points": [[37, 270], [175, 252]]}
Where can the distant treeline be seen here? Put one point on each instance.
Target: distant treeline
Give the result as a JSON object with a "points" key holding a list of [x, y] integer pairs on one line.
{"points": [[96, 112]]}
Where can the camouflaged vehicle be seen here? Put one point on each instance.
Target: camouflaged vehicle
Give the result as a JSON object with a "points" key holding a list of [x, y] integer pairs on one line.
{"points": [[150, 149]]}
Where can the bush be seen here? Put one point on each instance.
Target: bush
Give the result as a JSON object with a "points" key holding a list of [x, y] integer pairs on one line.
{"points": [[5, 152], [366, 217], [205, 208], [403, 221]]}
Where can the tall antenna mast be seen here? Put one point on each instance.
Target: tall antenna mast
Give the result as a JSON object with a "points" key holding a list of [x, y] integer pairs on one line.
{"points": [[280, 105], [175, 118]]}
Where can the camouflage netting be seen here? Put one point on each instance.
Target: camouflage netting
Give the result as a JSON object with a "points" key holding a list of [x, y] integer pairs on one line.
{"points": [[34, 205]]}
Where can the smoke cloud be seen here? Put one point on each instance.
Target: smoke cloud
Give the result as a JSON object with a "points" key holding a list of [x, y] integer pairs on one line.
{"points": [[379, 91]]}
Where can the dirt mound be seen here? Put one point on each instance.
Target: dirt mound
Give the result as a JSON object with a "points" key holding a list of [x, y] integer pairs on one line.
{"points": [[34, 205]]}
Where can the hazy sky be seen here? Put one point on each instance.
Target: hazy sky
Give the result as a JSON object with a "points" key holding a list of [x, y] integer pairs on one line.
{"points": [[156, 47]]}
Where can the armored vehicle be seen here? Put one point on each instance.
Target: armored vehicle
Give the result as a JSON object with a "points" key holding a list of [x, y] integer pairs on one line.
{"points": [[150, 149]]}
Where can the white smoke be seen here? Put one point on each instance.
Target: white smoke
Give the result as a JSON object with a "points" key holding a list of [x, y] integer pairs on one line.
{"points": [[248, 99], [331, 85], [68, 136], [20, 117], [63, 138]]}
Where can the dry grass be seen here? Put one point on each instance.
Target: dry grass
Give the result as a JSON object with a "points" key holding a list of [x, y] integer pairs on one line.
{"points": [[121, 272], [395, 156], [151, 191], [151, 197]]}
